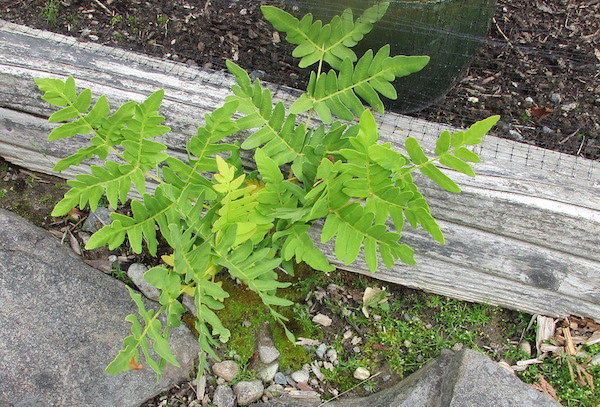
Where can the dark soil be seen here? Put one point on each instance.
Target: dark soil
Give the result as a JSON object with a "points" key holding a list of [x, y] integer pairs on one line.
{"points": [[538, 68]]}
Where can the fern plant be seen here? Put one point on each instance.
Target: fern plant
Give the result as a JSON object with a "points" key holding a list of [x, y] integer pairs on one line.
{"points": [[319, 159]]}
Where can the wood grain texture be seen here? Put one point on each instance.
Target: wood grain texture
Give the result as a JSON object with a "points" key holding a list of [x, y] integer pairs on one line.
{"points": [[523, 234]]}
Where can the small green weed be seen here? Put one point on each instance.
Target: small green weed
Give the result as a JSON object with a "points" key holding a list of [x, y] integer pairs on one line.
{"points": [[73, 22], [122, 276], [116, 20], [50, 12], [561, 373]]}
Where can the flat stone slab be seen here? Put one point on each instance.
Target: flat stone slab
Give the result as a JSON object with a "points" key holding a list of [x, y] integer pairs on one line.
{"points": [[62, 322], [463, 379]]}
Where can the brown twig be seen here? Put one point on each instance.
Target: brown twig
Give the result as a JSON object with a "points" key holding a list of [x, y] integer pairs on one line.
{"points": [[112, 13]]}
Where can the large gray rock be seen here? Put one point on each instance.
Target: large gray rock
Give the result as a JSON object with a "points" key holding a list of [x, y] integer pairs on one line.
{"points": [[463, 379], [62, 322]]}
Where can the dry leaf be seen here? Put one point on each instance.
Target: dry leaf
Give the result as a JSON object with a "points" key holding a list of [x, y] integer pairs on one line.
{"points": [[378, 346], [133, 365], [74, 243], [540, 112], [356, 295], [373, 297], [75, 214], [545, 387]]}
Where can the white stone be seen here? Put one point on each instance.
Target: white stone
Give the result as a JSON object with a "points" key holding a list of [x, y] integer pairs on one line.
{"points": [[300, 376], [226, 370], [267, 373], [332, 355], [321, 351], [136, 273], [268, 354], [361, 373]]}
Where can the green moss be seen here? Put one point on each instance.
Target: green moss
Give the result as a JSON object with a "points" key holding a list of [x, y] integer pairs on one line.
{"points": [[243, 313], [291, 356]]}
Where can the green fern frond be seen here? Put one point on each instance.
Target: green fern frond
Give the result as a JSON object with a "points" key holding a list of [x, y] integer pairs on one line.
{"points": [[278, 135], [298, 245], [338, 94], [139, 338], [331, 42], [155, 210], [238, 206]]}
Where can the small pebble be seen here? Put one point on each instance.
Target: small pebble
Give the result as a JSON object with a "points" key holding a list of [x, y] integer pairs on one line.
{"points": [[332, 355], [223, 397], [227, 370], [300, 376], [248, 392], [525, 346], [268, 354], [279, 378], [361, 373], [556, 97], [321, 351], [515, 135]]}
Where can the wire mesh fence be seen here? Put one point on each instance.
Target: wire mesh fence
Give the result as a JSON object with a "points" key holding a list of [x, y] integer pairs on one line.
{"points": [[534, 63]]}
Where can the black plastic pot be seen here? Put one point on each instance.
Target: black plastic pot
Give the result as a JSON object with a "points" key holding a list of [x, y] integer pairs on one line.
{"points": [[449, 31]]}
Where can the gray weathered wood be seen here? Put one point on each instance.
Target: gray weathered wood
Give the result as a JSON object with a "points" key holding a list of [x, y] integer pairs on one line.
{"points": [[523, 234]]}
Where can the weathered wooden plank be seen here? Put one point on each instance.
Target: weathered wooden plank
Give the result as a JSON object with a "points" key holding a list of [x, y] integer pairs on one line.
{"points": [[523, 234]]}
